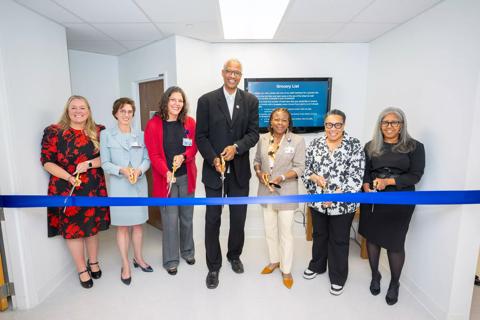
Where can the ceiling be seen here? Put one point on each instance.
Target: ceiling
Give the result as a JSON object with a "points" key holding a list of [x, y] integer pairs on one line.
{"points": [[115, 27]]}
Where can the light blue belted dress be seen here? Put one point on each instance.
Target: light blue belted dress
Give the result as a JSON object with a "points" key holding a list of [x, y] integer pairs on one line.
{"points": [[118, 150]]}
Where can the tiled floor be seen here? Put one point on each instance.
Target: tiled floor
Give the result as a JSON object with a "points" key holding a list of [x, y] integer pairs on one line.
{"points": [[247, 296]]}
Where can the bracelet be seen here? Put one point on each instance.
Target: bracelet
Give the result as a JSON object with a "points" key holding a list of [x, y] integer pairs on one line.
{"points": [[283, 177]]}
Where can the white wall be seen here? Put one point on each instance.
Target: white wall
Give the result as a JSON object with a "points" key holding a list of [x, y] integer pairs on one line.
{"points": [[34, 85], [430, 68], [151, 62], [196, 67], [200, 72], [468, 235], [95, 76]]}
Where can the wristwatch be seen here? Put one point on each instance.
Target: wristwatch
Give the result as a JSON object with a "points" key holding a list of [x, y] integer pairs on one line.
{"points": [[90, 164]]}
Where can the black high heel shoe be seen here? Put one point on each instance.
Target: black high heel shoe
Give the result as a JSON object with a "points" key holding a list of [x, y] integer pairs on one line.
{"points": [[146, 269], [375, 284], [86, 284], [126, 281], [392, 294], [94, 274]]}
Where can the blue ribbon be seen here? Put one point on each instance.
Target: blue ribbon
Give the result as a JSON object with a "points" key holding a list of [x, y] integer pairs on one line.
{"points": [[400, 197]]}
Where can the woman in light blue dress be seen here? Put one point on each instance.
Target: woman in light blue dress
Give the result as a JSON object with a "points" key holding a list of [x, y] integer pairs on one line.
{"points": [[125, 160]]}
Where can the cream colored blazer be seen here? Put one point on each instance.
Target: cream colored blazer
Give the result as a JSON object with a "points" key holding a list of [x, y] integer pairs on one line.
{"points": [[290, 156]]}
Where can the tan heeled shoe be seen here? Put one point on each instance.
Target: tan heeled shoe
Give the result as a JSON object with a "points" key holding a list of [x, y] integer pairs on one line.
{"points": [[268, 269], [287, 280]]}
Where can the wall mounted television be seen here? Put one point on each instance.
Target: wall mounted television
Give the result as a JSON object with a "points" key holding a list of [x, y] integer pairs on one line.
{"points": [[307, 99]]}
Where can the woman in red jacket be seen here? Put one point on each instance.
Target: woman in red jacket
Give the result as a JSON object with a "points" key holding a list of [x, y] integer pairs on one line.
{"points": [[170, 141]]}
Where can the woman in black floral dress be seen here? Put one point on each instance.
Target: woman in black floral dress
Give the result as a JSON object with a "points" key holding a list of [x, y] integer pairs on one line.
{"points": [[71, 147]]}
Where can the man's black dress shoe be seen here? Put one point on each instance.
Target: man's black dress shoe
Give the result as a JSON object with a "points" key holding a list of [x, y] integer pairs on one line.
{"points": [[477, 281], [86, 284], [375, 284], [146, 269], [95, 274], [127, 280], [212, 279], [172, 271], [392, 294], [190, 261], [237, 265]]}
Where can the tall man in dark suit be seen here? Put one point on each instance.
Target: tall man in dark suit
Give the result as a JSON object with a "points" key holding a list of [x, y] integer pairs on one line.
{"points": [[227, 125]]}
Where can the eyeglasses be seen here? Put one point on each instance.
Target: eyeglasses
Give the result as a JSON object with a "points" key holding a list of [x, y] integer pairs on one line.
{"points": [[330, 125], [234, 73], [394, 124], [176, 100], [124, 112]]}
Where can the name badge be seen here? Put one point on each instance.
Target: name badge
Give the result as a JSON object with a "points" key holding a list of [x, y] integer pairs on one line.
{"points": [[289, 150], [135, 144], [187, 142]]}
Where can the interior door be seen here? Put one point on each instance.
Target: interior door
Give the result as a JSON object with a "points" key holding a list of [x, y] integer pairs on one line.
{"points": [[150, 94]]}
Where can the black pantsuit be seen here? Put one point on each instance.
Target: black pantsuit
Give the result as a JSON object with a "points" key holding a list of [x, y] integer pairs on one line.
{"points": [[331, 240], [236, 235]]}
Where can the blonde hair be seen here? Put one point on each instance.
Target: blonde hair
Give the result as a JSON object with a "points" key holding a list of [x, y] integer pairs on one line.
{"points": [[90, 126]]}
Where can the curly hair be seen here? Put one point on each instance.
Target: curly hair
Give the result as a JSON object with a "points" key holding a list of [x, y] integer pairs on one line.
{"points": [[290, 122], [163, 105]]}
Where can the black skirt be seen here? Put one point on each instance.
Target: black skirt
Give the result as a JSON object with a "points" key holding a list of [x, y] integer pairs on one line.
{"points": [[386, 225]]}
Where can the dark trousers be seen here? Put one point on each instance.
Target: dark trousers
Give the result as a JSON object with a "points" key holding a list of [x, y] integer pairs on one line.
{"points": [[331, 239], [213, 220]]}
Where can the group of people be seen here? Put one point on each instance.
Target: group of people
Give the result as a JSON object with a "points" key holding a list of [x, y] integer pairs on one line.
{"points": [[77, 153]]}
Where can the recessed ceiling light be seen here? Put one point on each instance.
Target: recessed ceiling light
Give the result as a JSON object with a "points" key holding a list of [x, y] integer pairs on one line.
{"points": [[251, 19]]}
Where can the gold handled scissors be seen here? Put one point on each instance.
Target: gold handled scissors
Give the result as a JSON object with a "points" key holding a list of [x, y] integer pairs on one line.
{"points": [[75, 184]]}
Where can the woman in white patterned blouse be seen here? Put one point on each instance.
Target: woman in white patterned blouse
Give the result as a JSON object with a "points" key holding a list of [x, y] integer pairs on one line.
{"points": [[334, 163]]}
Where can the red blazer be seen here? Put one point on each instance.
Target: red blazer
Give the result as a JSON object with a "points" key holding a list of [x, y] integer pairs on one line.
{"points": [[154, 144]]}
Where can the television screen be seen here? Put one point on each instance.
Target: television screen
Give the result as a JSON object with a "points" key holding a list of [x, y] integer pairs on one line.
{"points": [[307, 99]]}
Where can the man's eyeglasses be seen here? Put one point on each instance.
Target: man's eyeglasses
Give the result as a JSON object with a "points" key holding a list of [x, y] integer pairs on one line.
{"points": [[330, 125], [234, 73], [394, 124]]}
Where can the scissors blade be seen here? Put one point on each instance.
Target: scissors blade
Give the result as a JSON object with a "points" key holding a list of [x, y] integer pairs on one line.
{"points": [[222, 177], [69, 195], [71, 190], [169, 188]]}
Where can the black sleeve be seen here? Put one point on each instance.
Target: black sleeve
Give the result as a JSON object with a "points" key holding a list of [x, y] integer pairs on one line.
{"points": [[250, 139], [415, 171], [367, 176], [202, 131]]}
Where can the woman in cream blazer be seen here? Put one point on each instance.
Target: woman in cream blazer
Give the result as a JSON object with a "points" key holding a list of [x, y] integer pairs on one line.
{"points": [[279, 161]]}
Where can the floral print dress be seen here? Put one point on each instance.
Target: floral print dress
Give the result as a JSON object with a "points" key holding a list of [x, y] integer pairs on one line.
{"points": [[67, 148]]}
